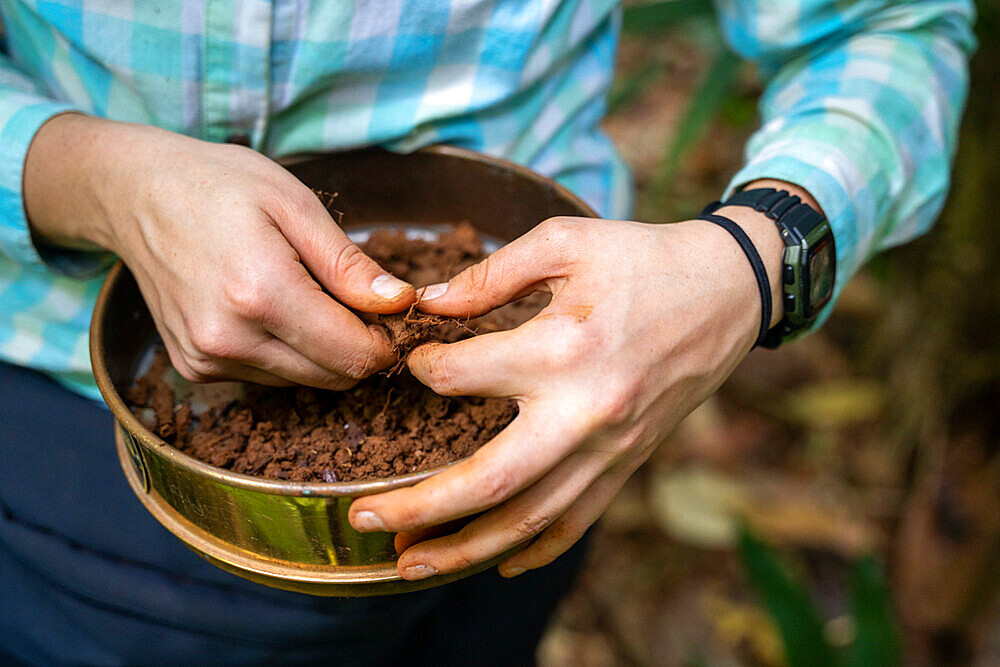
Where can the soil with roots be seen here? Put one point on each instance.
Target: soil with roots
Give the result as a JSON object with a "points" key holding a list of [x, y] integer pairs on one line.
{"points": [[388, 424]]}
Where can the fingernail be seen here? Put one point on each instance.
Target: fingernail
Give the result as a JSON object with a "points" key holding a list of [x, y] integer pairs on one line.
{"points": [[513, 571], [368, 521], [433, 291], [388, 287], [415, 572]]}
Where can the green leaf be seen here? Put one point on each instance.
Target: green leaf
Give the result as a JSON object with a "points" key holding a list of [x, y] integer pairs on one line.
{"points": [[695, 660], [740, 111], [788, 603], [718, 87], [658, 16], [876, 642], [626, 90]]}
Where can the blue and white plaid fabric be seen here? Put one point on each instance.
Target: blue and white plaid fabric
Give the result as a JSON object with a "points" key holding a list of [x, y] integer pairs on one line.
{"points": [[862, 109]]}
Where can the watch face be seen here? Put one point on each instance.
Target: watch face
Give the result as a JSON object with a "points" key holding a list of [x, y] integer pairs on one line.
{"points": [[821, 263]]}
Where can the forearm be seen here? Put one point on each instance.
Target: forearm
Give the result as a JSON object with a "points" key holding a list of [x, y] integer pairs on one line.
{"points": [[72, 161]]}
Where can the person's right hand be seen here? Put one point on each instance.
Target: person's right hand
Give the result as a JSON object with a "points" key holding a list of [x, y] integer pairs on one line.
{"points": [[231, 252]]}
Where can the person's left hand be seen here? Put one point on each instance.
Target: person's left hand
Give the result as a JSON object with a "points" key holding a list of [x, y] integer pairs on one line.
{"points": [[645, 322]]}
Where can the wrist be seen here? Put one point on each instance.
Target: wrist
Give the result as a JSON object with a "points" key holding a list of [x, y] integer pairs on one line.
{"points": [[69, 166], [766, 237]]}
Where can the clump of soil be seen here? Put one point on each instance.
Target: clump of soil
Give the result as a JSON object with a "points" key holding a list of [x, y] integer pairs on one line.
{"points": [[414, 328], [388, 424]]}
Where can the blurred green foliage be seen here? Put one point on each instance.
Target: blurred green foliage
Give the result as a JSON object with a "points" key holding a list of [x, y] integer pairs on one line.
{"points": [[655, 17], [876, 641], [717, 95], [716, 90]]}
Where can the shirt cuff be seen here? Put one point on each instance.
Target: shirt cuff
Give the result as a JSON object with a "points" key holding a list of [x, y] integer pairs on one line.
{"points": [[805, 171], [21, 116]]}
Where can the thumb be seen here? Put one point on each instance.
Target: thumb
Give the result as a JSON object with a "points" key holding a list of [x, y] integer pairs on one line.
{"points": [[519, 268], [351, 276]]}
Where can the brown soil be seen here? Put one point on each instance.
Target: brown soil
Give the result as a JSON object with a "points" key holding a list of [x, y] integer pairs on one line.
{"points": [[413, 328], [387, 425]]}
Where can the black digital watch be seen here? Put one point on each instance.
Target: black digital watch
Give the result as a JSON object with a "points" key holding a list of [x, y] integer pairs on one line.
{"points": [[810, 259]]}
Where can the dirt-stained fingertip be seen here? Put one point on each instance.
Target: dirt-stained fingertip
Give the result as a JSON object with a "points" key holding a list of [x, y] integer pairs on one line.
{"points": [[385, 354], [390, 288]]}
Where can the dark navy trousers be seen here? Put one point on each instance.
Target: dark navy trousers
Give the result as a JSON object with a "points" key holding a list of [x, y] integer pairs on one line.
{"points": [[87, 576]]}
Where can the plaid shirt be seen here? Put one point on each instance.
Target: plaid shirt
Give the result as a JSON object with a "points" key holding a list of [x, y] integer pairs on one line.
{"points": [[862, 107]]}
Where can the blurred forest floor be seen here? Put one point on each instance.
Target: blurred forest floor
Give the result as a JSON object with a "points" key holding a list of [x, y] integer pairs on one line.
{"points": [[878, 434]]}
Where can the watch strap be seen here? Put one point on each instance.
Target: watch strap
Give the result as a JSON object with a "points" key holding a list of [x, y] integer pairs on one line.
{"points": [[795, 220], [776, 335], [788, 210]]}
